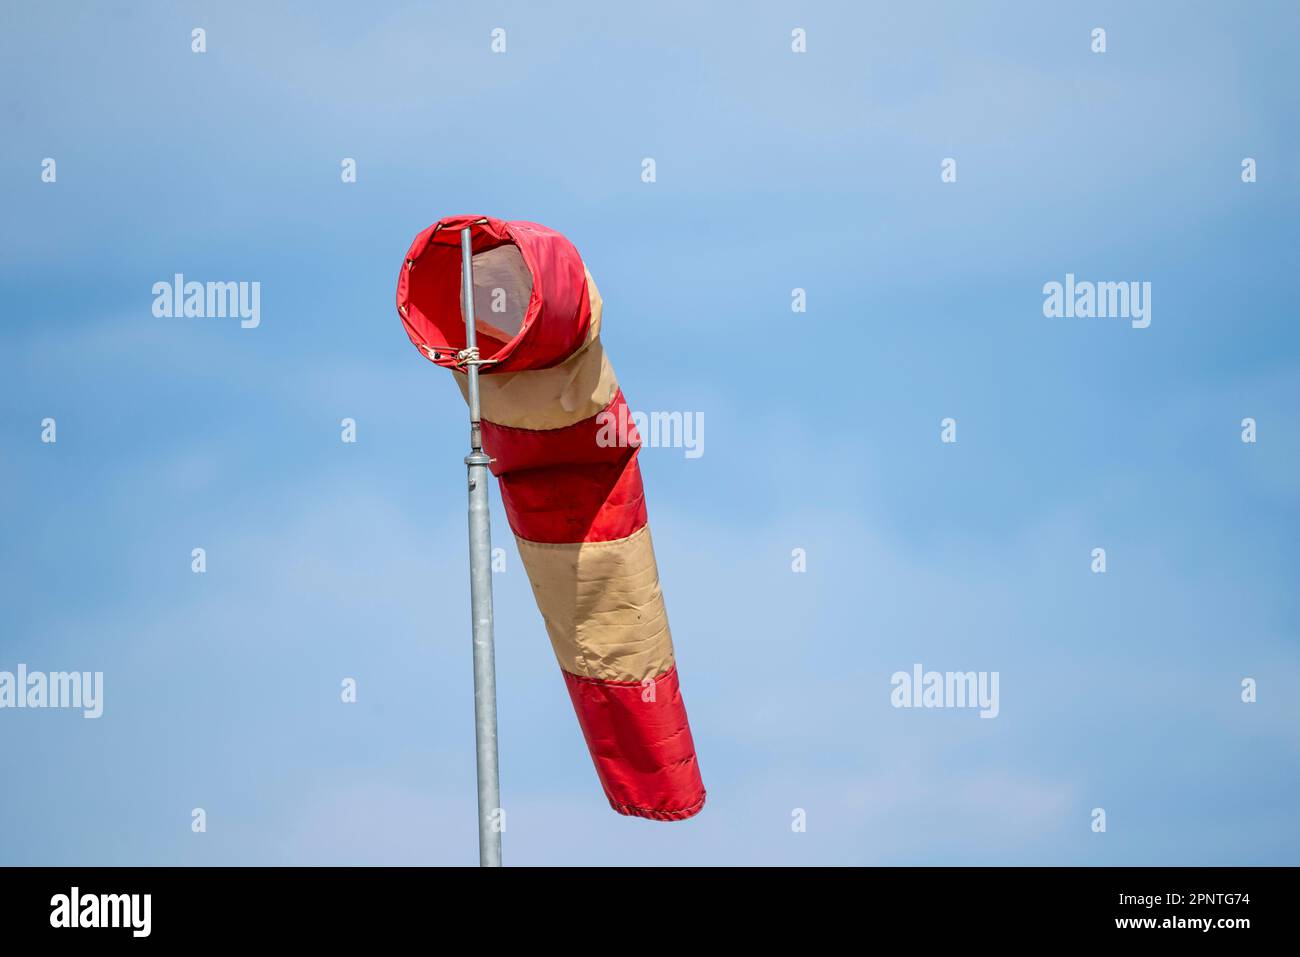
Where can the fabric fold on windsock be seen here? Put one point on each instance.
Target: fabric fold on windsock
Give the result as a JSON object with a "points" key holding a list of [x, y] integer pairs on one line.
{"points": [[571, 487]]}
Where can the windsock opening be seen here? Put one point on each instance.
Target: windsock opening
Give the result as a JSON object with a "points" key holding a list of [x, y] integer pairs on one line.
{"points": [[503, 287], [531, 303]]}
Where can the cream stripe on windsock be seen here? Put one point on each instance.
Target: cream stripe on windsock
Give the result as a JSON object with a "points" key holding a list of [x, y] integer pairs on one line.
{"points": [[602, 605]]}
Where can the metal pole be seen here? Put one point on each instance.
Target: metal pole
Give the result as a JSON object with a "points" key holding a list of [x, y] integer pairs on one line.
{"points": [[490, 821]]}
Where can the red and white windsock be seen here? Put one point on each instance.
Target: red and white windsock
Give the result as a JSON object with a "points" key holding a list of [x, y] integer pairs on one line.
{"points": [[550, 404]]}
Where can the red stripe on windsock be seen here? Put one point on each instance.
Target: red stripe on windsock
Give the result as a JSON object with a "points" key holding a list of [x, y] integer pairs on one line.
{"points": [[642, 749], [564, 504], [563, 485]]}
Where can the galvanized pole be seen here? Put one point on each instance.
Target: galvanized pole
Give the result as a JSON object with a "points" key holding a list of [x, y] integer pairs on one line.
{"points": [[490, 823]]}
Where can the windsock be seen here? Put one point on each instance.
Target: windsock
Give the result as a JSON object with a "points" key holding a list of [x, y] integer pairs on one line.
{"points": [[565, 453]]}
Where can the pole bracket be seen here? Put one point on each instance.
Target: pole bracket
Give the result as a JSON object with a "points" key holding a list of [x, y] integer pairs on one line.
{"points": [[470, 357]]}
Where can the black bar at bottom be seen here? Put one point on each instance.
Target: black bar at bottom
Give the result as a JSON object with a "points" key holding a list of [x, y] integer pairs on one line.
{"points": [[90, 906]]}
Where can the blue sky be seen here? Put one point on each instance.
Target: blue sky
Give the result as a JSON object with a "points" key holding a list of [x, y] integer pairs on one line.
{"points": [[775, 170]]}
